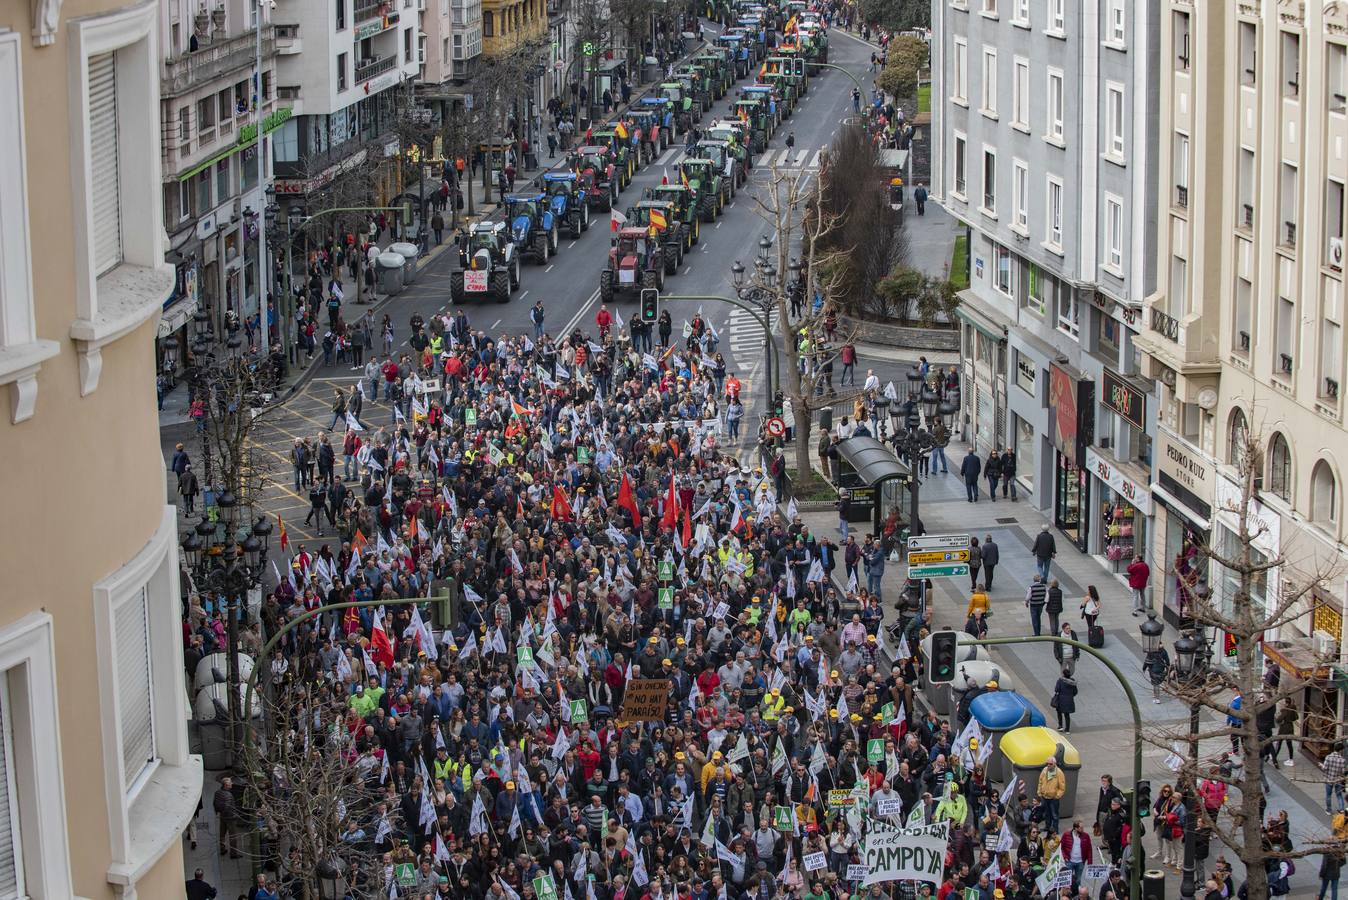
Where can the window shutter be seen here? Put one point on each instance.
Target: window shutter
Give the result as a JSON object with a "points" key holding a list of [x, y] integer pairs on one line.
{"points": [[133, 685], [103, 154], [10, 873]]}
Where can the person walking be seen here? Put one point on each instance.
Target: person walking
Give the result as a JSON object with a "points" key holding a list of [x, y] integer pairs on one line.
{"points": [[1051, 789], [848, 355], [844, 510], [188, 488], [199, 889], [993, 472], [1064, 700], [536, 316], [1009, 474], [734, 414], [1334, 768], [180, 460], [1034, 602], [970, 469], [920, 198], [1053, 606], [1157, 666], [1090, 607], [940, 436], [229, 819], [1067, 654], [992, 554], [1331, 865], [1139, 574], [1044, 549], [873, 557], [975, 562]]}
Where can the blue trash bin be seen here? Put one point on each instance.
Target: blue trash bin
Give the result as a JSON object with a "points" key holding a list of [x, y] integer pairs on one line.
{"points": [[998, 712]]}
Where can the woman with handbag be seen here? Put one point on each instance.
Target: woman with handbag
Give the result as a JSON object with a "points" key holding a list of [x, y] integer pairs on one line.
{"points": [[1169, 819], [1064, 701]]}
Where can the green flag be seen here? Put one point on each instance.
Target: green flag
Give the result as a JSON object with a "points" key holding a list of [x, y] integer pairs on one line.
{"points": [[875, 750]]}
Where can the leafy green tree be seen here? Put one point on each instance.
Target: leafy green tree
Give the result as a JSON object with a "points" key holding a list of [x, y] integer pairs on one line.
{"points": [[896, 15]]}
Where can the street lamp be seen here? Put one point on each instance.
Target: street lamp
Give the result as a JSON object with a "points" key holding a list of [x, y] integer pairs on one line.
{"points": [[737, 274], [1190, 668], [1151, 632], [929, 403]]}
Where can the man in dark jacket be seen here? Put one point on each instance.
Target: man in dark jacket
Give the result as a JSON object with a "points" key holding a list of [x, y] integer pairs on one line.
{"points": [[1044, 549], [1009, 473], [992, 554], [970, 470]]}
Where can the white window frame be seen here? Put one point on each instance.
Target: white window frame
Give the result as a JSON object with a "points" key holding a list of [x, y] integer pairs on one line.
{"points": [[989, 211], [1113, 234], [1020, 197], [988, 89], [28, 676], [116, 303], [990, 9], [1053, 213], [960, 67], [1115, 128], [1054, 125], [21, 352], [1069, 325], [1056, 26], [1116, 25], [960, 139], [1020, 94], [998, 252], [150, 817], [1020, 13]]}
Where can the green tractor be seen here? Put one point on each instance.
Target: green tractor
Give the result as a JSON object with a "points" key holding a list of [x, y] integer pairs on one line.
{"points": [[774, 110], [691, 77], [737, 135], [722, 64], [707, 184], [784, 90], [660, 217], [754, 114], [725, 160], [685, 210], [681, 101], [621, 147]]}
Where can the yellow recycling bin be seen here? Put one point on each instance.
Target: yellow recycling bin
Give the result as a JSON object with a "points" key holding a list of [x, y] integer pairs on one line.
{"points": [[1027, 750]]}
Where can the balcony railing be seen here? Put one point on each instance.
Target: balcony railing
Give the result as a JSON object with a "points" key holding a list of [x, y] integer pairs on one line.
{"points": [[1289, 234], [1285, 363], [286, 36], [1247, 215], [370, 68], [1181, 197], [1332, 388], [1165, 324], [183, 73]]}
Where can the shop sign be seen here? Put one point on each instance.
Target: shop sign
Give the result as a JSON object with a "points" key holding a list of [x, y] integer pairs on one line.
{"points": [[290, 186], [1072, 404], [1184, 473], [1123, 399], [1026, 372], [1133, 493], [248, 133], [1263, 522]]}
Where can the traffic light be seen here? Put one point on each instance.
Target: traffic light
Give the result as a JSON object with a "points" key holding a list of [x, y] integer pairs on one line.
{"points": [[1143, 797], [943, 645], [650, 305]]}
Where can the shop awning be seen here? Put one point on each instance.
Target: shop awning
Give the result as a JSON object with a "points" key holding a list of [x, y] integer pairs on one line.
{"points": [[972, 310], [873, 461]]}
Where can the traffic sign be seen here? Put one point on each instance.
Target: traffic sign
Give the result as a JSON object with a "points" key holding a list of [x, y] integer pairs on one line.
{"points": [[939, 542], [938, 556], [776, 426], [945, 570]]}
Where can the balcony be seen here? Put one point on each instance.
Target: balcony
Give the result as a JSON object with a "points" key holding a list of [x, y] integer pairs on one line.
{"points": [[373, 67], [287, 39], [1289, 234], [1247, 215], [1181, 197], [1165, 325], [191, 70]]}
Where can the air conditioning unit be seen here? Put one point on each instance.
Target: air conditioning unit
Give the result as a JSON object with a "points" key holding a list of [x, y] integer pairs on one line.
{"points": [[1336, 253], [1326, 645]]}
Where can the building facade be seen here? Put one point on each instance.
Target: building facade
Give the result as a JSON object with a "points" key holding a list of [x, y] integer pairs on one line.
{"points": [[1245, 331], [210, 106], [96, 782], [1044, 146]]}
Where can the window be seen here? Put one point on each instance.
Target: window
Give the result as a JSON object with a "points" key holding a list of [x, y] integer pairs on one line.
{"points": [[1004, 264], [989, 181], [1057, 18], [1287, 204], [1020, 14], [1180, 40], [1054, 206], [1237, 435], [1181, 169], [1279, 467], [1069, 322], [107, 201], [1055, 105], [960, 154], [990, 8], [489, 27], [341, 14], [1336, 76], [341, 71], [1114, 233], [959, 95], [1290, 50], [205, 115], [1034, 295], [444, 50], [1249, 44], [1114, 114], [1324, 495], [989, 81], [132, 626], [11, 852], [222, 187], [266, 85], [184, 127], [1020, 196], [1115, 28], [1020, 94], [225, 104]]}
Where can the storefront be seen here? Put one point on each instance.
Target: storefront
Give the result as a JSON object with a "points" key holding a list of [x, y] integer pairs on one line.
{"points": [[1122, 511], [1310, 684], [1072, 418], [983, 354], [1264, 527], [172, 336], [1183, 492]]}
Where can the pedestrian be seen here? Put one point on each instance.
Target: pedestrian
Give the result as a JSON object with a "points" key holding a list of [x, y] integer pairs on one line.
{"points": [[992, 472], [299, 460], [1035, 597], [1053, 605], [920, 198], [1090, 607], [1044, 549], [1009, 473], [536, 316], [975, 562], [1139, 574], [228, 817], [1052, 787], [1287, 727], [338, 408], [1334, 768], [940, 437], [848, 355], [198, 888], [992, 554], [1064, 701], [1067, 654], [1157, 666], [180, 459], [873, 557], [1331, 865], [438, 226], [970, 469], [552, 145], [844, 510], [188, 488], [734, 414]]}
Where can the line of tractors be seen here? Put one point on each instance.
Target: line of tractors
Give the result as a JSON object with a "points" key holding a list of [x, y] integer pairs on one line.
{"points": [[665, 223]]}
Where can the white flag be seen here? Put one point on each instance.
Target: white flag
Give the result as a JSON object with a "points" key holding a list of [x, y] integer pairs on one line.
{"points": [[477, 819], [352, 424], [469, 646]]}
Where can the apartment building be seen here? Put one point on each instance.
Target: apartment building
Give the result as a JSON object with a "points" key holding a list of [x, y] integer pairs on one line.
{"points": [[1245, 331], [210, 104], [1044, 146], [96, 781], [346, 88], [453, 41]]}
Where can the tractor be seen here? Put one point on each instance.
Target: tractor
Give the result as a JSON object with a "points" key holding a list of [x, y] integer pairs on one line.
{"points": [[724, 160], [722, 63], [532, 225], [768, 101], [567, 201], [705, 181], [620, 145], [681, 101], [635, 261], [791, 68], [693, 83], [736, 42], [595, 166], [648, 121], [662, 217], [754, 114], [684, 210], [488, 264]]}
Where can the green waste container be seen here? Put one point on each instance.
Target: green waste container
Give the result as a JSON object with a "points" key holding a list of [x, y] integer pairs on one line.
{"points": [[1025, 751]]}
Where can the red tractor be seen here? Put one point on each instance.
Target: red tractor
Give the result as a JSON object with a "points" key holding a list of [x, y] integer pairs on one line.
{"points": [[599, 174], [636, 260]]}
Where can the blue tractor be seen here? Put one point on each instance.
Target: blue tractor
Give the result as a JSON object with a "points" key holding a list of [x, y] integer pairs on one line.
{"points": [[533, 227], [567, 201]]}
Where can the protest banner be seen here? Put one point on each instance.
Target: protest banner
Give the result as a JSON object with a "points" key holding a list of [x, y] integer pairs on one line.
{"points": [[645, 700], [856, 871], [815, 861], [839, 797], [889, 807], [914, 854]]}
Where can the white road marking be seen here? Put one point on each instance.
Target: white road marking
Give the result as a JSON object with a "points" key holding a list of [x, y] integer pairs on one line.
{"points": [[549, 268], [522, 296], [497, 322], [580, 313], [800, 157], [570, 245], [718, 225]]}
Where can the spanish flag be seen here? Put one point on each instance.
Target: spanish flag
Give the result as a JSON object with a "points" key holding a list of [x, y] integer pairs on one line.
{"points": [[358, 541], [744, 114], [683, 177], [281, 527], [762, 70], [658, 219], [620, 130], [519, 410], [790, 27]]}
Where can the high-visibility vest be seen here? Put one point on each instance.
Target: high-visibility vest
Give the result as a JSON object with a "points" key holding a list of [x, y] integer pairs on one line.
{"points": [[772, 707]]}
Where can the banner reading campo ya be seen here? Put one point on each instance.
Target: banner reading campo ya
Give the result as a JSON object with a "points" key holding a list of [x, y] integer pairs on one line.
{"points": [[916, 854]]}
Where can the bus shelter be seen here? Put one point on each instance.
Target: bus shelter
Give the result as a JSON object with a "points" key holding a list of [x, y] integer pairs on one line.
{"points": [[878, 483]]}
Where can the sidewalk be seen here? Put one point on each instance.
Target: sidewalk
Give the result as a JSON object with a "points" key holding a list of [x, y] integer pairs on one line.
{"points": [[1101, 724]]}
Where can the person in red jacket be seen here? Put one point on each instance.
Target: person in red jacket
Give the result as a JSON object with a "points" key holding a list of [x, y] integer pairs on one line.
{"points": [[1139, 573], [604, 319], [1077, 851]]}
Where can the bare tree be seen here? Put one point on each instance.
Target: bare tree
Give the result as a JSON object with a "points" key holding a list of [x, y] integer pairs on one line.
{"points": [[1243, 612]]}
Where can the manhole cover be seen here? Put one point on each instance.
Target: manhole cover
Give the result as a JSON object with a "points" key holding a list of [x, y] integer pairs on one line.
{"points": [[1011, 521]]}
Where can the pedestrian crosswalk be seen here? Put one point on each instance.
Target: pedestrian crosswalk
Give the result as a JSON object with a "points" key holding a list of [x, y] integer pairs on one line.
{"points": [[788, 158], [745, 334]]}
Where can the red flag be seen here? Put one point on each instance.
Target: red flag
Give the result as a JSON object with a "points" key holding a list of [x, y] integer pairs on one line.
{"points": [[561, 509], [687, 529], [519, 508], [670, 519], [381, 648], [628, 501], [358, 542]]}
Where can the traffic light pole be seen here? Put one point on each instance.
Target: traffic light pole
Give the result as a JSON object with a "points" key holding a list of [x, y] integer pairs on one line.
{"points": [[770, 358], [1138, 855]]}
